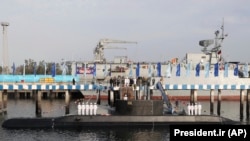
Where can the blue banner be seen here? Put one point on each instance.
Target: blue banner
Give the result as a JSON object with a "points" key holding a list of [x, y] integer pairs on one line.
{"points": [[159, 69], [178, 71], [236, 70], [53, 70], [216, 69], [138, 70], [197, 73]]}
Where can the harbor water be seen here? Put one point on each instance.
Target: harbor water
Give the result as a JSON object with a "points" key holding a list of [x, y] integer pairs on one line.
{"points": [[55, 107]]}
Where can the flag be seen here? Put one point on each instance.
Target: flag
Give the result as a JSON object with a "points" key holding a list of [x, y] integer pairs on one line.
{"points": [[245, 71], [105, 70], [219, 52], [110, 70], [138, 70], [45, 68], [23, 69], [64, 68], [226, 70], [94, 70], [168, 71], [85, 70], [178, 71], [207, 70], [236, 70], [188, 68], [216, 69], [76, 70], [130, 71], [149, 70], [34, 71], [53, 70], [197, 72], [159, 69], [13, 69]]}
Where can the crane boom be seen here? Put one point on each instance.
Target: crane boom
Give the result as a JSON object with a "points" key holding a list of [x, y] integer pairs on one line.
{"points": [[99, 49]]}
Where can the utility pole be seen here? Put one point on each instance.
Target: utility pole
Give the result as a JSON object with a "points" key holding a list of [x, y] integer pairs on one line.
{"points": [[5, 65]]}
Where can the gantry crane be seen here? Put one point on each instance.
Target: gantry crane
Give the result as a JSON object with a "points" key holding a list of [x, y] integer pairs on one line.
{"points": [[102, 44]]}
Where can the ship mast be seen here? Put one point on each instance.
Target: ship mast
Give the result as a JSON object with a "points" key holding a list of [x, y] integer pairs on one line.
{"points": [[215, 52]]}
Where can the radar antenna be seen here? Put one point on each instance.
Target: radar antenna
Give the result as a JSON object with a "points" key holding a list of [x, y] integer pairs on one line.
{"points": [[215, 52]]}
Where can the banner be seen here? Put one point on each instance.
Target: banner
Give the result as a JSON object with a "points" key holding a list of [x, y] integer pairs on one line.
{"points": [[53, 70], [207, 67], [34, 71], [178, 71], [13, 69], [150, 70], [168, 71], [130, 71], [159, 69], [216, 69], [94, 70], [197, 72], [137, 70], [188, 69], [236, 70], [226, 70], [245, 71]]}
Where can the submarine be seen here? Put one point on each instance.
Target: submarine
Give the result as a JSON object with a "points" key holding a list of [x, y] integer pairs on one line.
{"points": [[123, 110]]}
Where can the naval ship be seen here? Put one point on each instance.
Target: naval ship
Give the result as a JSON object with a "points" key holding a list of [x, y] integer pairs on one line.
{"points": [[125, 106]]}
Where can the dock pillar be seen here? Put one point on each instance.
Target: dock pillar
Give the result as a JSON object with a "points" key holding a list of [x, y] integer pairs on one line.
{"points": [[38, 96], [51, 95], [137, 92], [111, 98], [211, 101], [67, 100], [16, 95], [1, 102], [242, 94], [98, 97], [5, 99], [193, 96], [151, 92], [248, 104], [219, 102]]}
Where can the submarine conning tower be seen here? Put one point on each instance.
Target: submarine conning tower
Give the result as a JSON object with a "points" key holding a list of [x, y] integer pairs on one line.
{"points": [[135, 98]]}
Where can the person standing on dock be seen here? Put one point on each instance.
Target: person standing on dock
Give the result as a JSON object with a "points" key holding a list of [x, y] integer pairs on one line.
{"points": [[83, 108], [111, 81], [87, 108], [126, 81], [91, 109], [79, 107]]}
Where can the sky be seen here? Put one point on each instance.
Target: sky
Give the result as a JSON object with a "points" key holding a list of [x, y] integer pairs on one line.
{"points": [[56, 30]]}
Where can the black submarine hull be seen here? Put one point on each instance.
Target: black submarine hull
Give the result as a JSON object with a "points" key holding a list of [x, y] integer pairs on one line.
{"points": [[74, 121]]}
